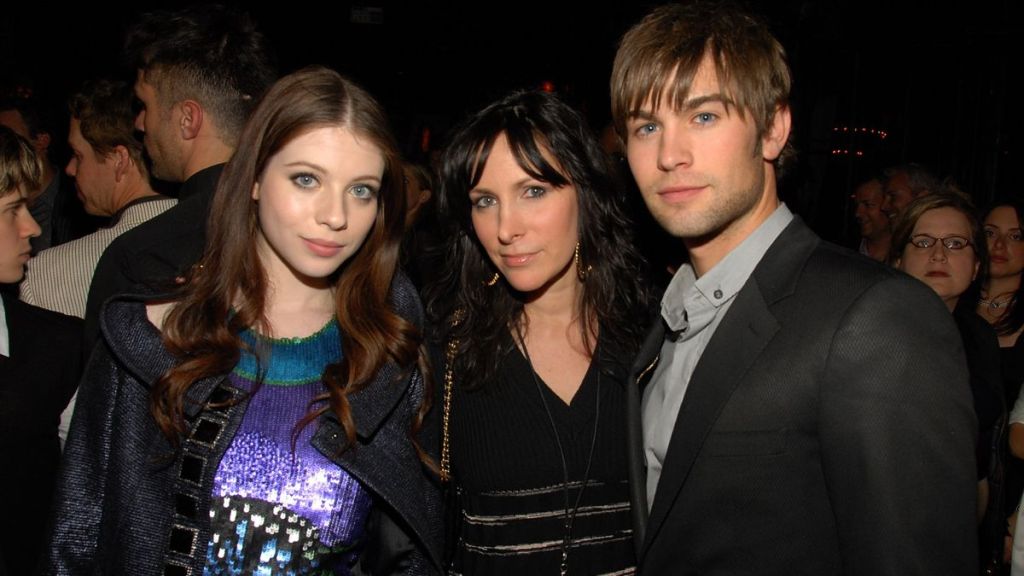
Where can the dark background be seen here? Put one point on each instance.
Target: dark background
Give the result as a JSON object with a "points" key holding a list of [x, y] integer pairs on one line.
{"points": [[934, 78]]}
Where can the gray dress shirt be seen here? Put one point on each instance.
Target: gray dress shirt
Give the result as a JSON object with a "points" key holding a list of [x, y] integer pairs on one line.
{"points": [[692, 309]]}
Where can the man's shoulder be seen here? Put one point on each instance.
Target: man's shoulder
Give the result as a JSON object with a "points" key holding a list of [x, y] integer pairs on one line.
{"points": [[162, 231], [800, 263], [54, 324], [143, 211], [60, 257], [830, 259]]}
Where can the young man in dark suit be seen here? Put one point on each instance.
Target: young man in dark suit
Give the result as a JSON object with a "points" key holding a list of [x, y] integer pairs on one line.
{"points": [[40, 355], [790, 415]]}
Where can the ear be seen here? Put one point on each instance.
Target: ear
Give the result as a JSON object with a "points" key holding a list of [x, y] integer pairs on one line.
{"points": [[256, 191], [775, 138], [122, 162], [191, 119], [897, 262]]}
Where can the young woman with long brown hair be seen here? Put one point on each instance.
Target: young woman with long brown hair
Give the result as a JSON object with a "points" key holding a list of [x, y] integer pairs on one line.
{"points": [[265, 418]]}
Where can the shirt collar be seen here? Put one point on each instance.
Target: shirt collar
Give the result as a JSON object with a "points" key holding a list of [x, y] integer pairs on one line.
{"points": [[720, 284], [5, 336]]}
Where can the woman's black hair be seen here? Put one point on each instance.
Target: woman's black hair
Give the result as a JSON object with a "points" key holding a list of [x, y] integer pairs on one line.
{"points": [[1012, 320], [616, 293]]}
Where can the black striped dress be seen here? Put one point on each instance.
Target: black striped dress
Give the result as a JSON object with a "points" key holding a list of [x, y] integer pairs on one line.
{"points": [[506, 464]]}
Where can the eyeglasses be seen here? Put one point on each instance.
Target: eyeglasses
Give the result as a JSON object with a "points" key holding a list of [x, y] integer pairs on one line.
{"points": [[925, 241]]}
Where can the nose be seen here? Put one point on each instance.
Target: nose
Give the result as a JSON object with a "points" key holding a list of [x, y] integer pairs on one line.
{"points": [[938, 252], [72, 168], [140, 120], [674, 149], [509, 223], [28, 228], [332, 210], [886, 204], [996, 241]]}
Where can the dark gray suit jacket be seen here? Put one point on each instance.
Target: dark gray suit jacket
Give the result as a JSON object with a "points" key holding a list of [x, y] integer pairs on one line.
{"points": [[827, 429]]}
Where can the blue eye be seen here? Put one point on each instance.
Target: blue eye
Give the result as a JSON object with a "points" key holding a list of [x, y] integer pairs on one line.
{"points": [[534, 191], [363, 192], [646, 129], [705, 118], [305, 180], [484, 202]]}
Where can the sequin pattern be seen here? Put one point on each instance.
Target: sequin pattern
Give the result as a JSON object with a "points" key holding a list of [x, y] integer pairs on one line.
{"points": [[276, 511]]}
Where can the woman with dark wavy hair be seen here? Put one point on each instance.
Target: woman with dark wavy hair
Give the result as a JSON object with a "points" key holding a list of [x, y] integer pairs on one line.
{"points": [[1000, 301], [264, 418], [549, 306]]}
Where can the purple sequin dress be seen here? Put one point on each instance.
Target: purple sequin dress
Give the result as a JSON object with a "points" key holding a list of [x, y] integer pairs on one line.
{"points": [[276, 511]]}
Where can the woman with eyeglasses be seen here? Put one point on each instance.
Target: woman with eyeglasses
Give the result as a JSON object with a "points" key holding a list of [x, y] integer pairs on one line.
{"points": [[939, 241]]}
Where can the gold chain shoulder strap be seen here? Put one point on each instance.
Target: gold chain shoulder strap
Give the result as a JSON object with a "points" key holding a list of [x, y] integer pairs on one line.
{"points": [[449, 379]]}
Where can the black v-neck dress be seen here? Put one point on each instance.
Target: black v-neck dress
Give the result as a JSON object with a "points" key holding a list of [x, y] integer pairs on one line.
{"points": [[506, 463]]}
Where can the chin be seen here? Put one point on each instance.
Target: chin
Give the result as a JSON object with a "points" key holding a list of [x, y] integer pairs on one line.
{"points": [[524, 283]]}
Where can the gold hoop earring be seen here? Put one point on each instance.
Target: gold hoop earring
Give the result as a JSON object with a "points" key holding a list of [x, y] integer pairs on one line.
{"points": [[494, 280], [581, 270]]}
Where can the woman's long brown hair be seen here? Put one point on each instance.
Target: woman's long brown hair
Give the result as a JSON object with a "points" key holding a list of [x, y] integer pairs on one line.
{"points": [[226, 293]]}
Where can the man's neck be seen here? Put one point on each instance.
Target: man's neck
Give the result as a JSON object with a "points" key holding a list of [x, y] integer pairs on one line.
{"points": [[138, 188], [706, 252], [878, 247], [210, 153]]}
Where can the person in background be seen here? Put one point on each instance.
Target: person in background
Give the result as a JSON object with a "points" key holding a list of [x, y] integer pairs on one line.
{"points": [[112, 181], [201, 71], [875, 236], [40, 363], [939, 240]]}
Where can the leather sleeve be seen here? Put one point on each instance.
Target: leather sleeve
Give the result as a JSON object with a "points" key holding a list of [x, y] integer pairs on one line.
{"points": [[897, 432]]}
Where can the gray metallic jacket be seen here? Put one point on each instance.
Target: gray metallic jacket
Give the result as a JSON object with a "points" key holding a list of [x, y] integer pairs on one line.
{"points": [[128, 503]]}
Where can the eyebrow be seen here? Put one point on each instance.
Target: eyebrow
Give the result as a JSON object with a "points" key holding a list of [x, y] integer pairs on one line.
{"points": [[689, 104], [12, 199], [517, 184], [318, 168]]}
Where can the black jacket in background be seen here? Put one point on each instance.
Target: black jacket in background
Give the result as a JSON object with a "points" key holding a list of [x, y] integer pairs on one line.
{"points": [[148, 258], [36, 382]]}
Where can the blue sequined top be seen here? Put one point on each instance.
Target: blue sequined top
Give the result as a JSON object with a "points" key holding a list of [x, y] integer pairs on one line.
{"points": [[276, 511]]}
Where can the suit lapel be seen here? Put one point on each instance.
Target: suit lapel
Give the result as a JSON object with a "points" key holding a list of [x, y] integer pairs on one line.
{"points": [[647, 358], [742, 336], [744, 332]]}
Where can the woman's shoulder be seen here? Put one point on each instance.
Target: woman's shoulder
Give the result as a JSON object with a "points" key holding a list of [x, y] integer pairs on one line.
{"points": [[406, 300], [133, 337]]}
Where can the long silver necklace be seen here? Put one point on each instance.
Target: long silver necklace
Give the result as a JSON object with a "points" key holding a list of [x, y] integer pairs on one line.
{"points": [[570, 514]]}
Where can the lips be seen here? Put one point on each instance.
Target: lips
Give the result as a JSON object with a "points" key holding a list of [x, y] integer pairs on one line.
{"points": [[323, 248], [516, 260], [679, 193], [937, 274]]}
